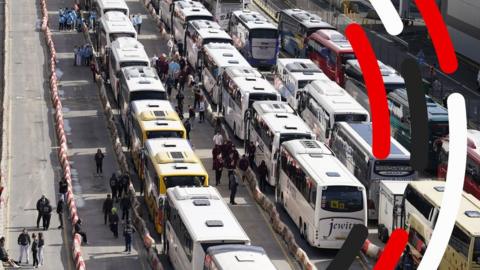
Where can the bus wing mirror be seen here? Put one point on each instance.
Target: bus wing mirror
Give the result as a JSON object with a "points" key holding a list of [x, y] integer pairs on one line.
{"points": [[161, 201]]}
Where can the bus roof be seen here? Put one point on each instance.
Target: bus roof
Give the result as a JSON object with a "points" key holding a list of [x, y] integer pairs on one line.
{"points": [[468, 212], [435, 111], [333, 98], [473, 144], [389, 74], [206, 215], [127, 49], [311, 153], [240, 257], [117, 22], [272, 106], [254, 85], [142, 78], [148, 110], [234, 72], [285, 123], [192, 8], [307, 19], [298, 64], [208, 29], [253, 20], [364, 139], [333, 39], [225, 55], [112, 4]]}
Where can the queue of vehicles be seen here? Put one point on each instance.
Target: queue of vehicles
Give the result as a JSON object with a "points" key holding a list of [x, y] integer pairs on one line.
{"points": [[336, 133]]}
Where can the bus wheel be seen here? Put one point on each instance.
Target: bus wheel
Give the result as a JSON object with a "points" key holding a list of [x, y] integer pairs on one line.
{"points": [[383, 234], [301, 228], [282, 201], [235, 130]]}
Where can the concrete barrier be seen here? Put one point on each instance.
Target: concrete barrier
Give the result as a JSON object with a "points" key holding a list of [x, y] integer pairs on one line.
{"points": [[61, 137]]}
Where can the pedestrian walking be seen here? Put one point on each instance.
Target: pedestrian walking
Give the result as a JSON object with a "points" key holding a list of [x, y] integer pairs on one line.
{"points": [[47, 214], [180, 97], [217, 150], [92, 19], [243, 167], [138, 22], [60, 207], [125, 181], [127, 234], [63, 187], [179, 113], [217, 139], [226, 149], [114, 186], [162, 66], [170, 45], [75, 55], [40, 204], [4, 257], [188, 128], [107, 208], [35, 250], [201, 109], [93, 69], [125, 204], [197, 94], [78, 229], [99, 156], [24, 243], [41, 248], [251, 149], [191, 115], [262, 173], [233, 184], [113, 220], [218, 167]]}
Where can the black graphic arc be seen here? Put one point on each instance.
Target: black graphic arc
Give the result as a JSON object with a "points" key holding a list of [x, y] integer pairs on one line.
{"points": [[418, 114], [350, 248]]}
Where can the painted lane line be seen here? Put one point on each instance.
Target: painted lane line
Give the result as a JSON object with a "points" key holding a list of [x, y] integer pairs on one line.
{"points": [[393, 250], [438, 32], [457, 157], [418, 112], [350, 248], [389, 16], [377, 96]]}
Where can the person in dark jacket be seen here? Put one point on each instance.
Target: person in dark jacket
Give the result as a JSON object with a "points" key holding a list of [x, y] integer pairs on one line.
{"points": [[60, 207], [114, 185], [35, 250], [113, 220], [217, 150], [24, 243], [218, 167], [47, 214], [40, 204], [107, 208], [4, 255], [251, 153], [243, 167], [233, 184], [262, 173], [407, 260], [99, 156], [125, 204], [78, 229], [127, 233], [63, 187], [125, 183], [188, 127]]}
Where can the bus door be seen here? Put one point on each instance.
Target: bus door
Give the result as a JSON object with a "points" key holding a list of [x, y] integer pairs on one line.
{"points": [[274, 160]]}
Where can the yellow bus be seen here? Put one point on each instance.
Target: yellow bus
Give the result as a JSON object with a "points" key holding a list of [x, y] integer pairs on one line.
{"points": [[169, 162], [150, 119], [422, 202]]}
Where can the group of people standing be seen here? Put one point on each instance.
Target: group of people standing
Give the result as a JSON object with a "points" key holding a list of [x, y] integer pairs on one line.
{"points": [[69, 19], [137, 22], [26, 243], [118, 186], [83, 55]]}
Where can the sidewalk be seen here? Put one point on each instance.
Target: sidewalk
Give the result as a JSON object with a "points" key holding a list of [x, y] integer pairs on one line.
{"points": [[87, 130]]}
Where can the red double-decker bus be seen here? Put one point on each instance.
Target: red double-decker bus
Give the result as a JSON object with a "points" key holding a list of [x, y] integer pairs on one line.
{"points": [[472, 170], [330, 50]]}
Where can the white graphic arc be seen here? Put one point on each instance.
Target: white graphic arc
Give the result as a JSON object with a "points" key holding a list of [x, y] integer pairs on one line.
{"points": [[457, 157], [389, 16]]}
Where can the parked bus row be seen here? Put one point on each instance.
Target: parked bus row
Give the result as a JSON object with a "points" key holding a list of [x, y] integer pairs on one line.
{"points": [[198, 229]]}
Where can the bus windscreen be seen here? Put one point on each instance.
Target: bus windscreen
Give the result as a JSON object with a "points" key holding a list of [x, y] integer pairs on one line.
{"points": [[347, 56], [124, 11], [438, 129], [164, 134], [342, 199], [147, 94], [133, 64], [293, 136], [114, 36], [303, 83], [476, 250], [264, 33], [350, 117], [391, 168], [184, 181], [257, 97]]}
